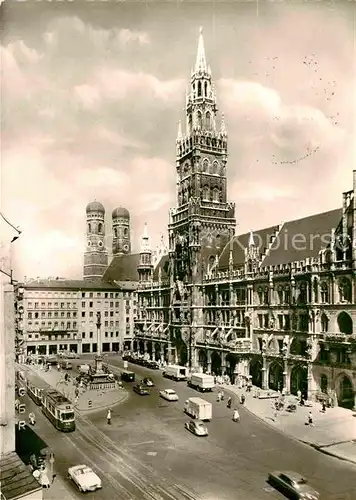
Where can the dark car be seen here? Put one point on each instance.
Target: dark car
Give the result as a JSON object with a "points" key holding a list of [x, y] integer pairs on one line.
{"points": [[148, 382], [127, 376], [141, 390], [293, 485], [153, 365]]}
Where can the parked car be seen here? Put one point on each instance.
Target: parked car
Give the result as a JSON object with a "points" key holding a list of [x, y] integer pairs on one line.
{"points": [[169, 394], [84, 478], [293, 485], [127, 376], [148, 382], [141, 390], [153, 365], [66, 365], [197, 427]]}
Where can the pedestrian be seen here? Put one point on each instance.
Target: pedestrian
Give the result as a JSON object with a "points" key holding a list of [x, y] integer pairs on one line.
{"points": [[236, 415], [310, 419], [242, 399], [229, 401], [222, 396], [109, 416], [32, 418], [218, 397]]}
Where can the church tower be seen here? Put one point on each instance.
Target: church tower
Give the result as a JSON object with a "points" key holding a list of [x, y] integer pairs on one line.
{"points": [[203, 220], [121, 241], [95, 256], [145, 266]]}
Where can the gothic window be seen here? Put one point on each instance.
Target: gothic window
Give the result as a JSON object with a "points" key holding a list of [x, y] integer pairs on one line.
{"points": [[190, 123], [115, 232], [100, 227], [323, 383], [216, 194], [287, 295], [345, 290], [260, 296], [302, 297], [206, 89], [266, 295], [324, 323], [207, 120], [199, 89], [199, 119], [205, 165], [324, 293], [206, 193], [215, 169], [280, 295], [126, 232], [89, 228]]}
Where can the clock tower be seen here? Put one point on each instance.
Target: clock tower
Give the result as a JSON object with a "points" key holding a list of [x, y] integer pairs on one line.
{"points": [[203, 221], [96, 255]]}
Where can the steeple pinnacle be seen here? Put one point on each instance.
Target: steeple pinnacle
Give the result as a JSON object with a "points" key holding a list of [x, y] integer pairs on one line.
{"points": [[145, 244], [180, 134], [223, 130], [200, 65], [251, 241]]}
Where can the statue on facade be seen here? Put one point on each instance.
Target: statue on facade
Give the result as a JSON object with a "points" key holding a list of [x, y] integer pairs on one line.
{"points": [[264, 342], [272, 321], [285, 345]]}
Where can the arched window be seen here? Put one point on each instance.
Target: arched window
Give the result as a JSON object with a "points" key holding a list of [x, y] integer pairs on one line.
{"points": [[324, 323], [100, 227], [260, 296], [205, 165], [190, 123], [207, 120], [345, 290], [324, 293], [199, 89], [216, 194], [199, 119], [206, 193], [89, 228], [115, 232], [344, 322], [126, 232], [206, 89], [280, 294]]}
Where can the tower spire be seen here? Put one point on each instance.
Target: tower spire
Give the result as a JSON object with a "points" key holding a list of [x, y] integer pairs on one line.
{"points": [[145, 243], [200, 64], [251, 241], [223, 130]]}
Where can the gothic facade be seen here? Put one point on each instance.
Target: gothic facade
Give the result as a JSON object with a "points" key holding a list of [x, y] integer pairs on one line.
{"points": [[262, 306]]}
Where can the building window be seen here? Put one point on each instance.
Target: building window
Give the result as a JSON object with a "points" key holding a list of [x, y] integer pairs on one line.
{"points": [[324, 321], [324, 293], [83, 314], [83, 335], [36, 305], [117, 334], [111, 304], [106, 334], [56, 304], [62, 314], [56, 314], [74, 324], [280, 321], [30, 304], [62, 305], [83, 295], [345, 290], [106, 323], [68, 314], [91, 314], [90, 295], [286, 322], [29, 315], [43, 304], [83, 304], [68, 305], [91, 335], [90, 304], [280, 295]]}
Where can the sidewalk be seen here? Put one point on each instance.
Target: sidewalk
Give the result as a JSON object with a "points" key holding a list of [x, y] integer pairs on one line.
{"points": [[334, 432], [100, 399], [59, 490]]}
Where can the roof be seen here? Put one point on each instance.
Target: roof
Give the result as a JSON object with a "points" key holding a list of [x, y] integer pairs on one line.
{"points": [[162, 264], [120, 212], [123, 268], [95, 206], [69, 284], [16, 480], [262, 239], [302, 238], [127, 285]]}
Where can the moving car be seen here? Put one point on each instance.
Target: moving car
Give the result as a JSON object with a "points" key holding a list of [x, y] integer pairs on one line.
{"points": [[127, 376], [197, 427], [293, 485], [84, 477], [141, 390], [147, 382], [169, 394]]}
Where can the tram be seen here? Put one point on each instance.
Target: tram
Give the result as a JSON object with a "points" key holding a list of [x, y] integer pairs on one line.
{"points": [[59, 410]]}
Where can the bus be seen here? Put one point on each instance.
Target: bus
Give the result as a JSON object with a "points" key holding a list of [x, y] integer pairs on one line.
{"points": [[59, 410]]}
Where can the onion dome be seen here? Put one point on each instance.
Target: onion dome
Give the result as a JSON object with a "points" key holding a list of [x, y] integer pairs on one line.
{"points": [[120, 212], [95, 206]]}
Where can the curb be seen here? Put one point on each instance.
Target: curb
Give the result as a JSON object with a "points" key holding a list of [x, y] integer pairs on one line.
{"points": [[103, 407], [311, 445]]}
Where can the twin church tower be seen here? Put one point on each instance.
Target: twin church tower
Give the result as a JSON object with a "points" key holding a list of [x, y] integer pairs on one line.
{"points": [[96, 257]]}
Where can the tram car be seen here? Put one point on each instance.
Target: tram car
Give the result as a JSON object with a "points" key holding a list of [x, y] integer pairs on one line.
{"points": [[35, 388], [59, 410]]}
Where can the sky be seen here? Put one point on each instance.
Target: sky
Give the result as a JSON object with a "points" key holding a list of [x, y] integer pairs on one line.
{"points": [[92, 93]]}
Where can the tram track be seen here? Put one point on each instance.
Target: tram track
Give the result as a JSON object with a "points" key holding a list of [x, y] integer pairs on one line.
{"points": [[136, 475]]}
